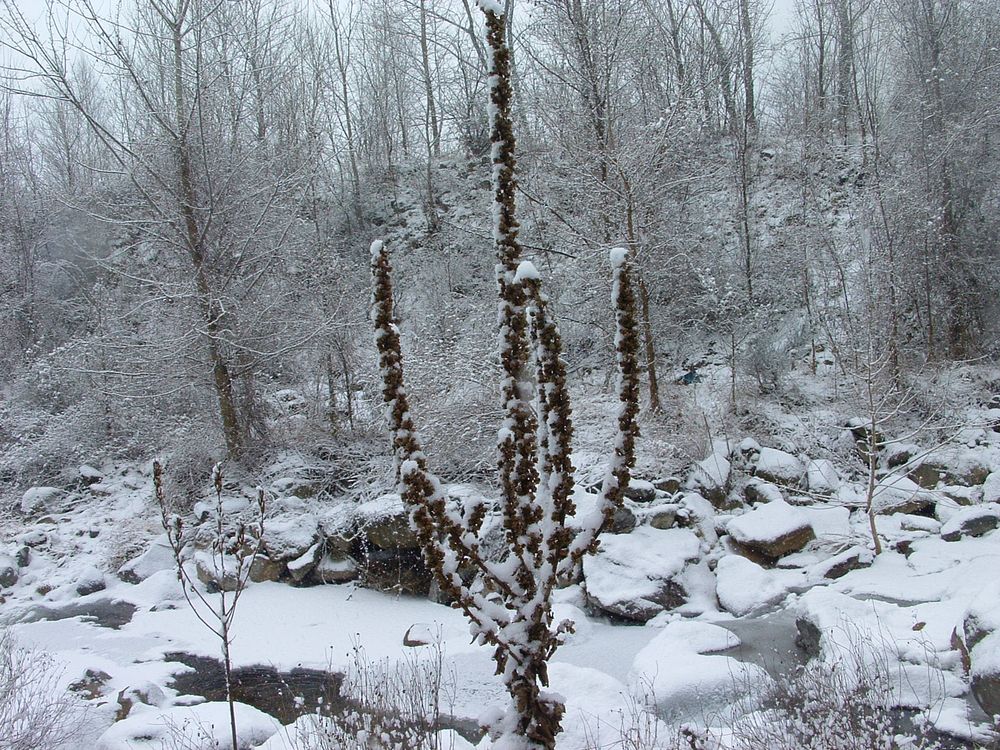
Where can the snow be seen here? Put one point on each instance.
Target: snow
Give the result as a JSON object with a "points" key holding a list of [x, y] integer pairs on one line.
{"points": [[618, 256], [991, 488], [490, 6], [202, 726], [678, 673], [767, 523], [526, 271]]}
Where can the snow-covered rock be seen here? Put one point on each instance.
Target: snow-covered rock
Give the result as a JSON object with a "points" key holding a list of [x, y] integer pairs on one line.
{"points": [[205, 724], [710, 476], [386, 523], [335, 570], [779, 467], [303, 565], [759, 491], [822, 477], [679, 672], [842, 564], [743, 586], [42, 499], [981, 627], [991, 488], [640, 491], [8, 571], [159, 556], [899, 494], [636, 576], [952, 465], [773, 530], [289, 537], [974, 521]]}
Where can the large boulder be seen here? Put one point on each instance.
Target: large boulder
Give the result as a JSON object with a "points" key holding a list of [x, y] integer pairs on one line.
{"points": [[400, 571], [991, 488], [779, 467], [287, 538], [385, 524], [974, 521], [773, 530], [898, 494], [950, 466], [743, 586], [636, 576]]}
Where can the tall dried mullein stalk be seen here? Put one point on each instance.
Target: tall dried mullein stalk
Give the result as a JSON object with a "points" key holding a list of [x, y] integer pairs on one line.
{"points": [[534, 446]]}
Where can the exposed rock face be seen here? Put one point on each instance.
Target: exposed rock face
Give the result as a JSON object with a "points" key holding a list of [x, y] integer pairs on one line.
{"points": [[759, 491], [263, 569], [208, 572], [842, 564], [773, 530], [397, 570], [951, 468], [8, 571], [664, 517], [303, 565], [636, 576], [640, 491], [974, 521], [670, 485], [385, 524]]}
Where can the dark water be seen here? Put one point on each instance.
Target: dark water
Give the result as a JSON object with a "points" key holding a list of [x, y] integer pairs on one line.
{"points": [[283, 695], [105, 613]]}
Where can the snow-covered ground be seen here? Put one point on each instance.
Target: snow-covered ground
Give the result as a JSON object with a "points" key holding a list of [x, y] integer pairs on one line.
{"points": [[790, 557]]}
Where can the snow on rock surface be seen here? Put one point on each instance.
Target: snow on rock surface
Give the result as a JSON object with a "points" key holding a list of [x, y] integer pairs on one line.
{"points": [[974, 521], [744, 586], [779, 467], [635, 576], [898, 494], [289, 538], [822, 477], [158, 556], [41, 499], [773, 530], [711, 475], [205, 724], [991, 488], [679, 672]]}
